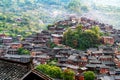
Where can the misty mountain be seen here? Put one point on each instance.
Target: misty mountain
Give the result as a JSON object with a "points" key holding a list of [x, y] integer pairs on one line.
{"points": [[107, 11]]}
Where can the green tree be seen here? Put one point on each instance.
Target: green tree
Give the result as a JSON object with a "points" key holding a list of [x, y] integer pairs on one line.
{"points": [[22, 51], [19, 50], [96, 29], [52, 61], [68, 74], [80, 39], [67, 39], [25, 52], [79, 29], [89, 75], [51, 44], [2, 17], [52, 71]]}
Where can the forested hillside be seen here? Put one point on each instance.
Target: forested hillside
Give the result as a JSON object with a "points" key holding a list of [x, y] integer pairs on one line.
{"points": [[28, 16]]}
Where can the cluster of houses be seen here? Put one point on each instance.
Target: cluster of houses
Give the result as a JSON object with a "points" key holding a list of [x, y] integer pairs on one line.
{"points": [[112, 35], [104, 60]]}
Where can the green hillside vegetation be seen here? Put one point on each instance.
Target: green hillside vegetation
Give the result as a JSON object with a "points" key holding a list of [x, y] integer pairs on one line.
{"points": [[35, 15], [23, 17], [77, 6], [14, 25]]}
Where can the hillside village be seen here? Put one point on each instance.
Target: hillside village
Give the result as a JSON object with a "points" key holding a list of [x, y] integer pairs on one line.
{"points": [[104, 60]]}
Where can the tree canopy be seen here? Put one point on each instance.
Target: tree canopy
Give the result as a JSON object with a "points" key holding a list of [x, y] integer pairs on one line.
{"points": [[82, 39], [52, 71], [56, 72], [89, 75], [22, 51], [68, 74], [51, 44]]}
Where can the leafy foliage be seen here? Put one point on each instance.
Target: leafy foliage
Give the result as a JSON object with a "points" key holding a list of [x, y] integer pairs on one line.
{"points": [[52, 62], [80, 39], [22, 51], [56, 72], [89, 75], [68, 74], [52, 71], [14, 25], [51, 44]]}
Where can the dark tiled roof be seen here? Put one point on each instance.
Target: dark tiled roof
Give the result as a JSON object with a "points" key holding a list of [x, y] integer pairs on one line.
{"points": [[12, 70], [37, 76]]}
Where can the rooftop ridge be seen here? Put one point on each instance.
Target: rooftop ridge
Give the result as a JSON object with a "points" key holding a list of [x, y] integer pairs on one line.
{"points": [[13, 61]]}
